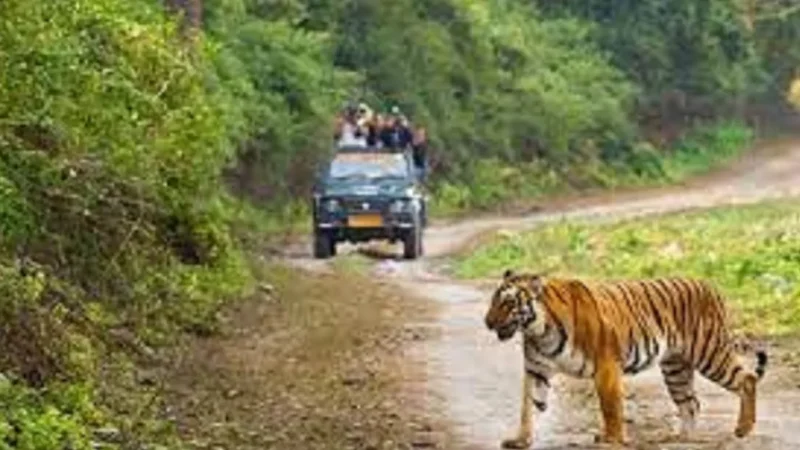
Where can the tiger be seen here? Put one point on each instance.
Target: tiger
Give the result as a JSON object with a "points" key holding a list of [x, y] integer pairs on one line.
{"points": [[604, 329]]}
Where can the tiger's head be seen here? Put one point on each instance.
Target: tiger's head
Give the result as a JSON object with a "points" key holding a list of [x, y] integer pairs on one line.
{"points": [[515, 304]]}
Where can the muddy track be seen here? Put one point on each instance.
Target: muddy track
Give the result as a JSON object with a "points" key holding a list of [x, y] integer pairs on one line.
{"points": [[475, 379]]}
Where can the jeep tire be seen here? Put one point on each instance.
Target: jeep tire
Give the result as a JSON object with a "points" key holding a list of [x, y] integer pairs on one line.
{"points": [[412, 243], [324, 245]]}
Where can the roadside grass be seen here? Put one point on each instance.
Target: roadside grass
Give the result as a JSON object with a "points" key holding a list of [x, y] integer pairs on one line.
{"points": [[277, 220], [314, 361], [751, 252], [704, 149]]}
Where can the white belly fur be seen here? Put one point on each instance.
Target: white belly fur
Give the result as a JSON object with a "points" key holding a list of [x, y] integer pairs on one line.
{"points": [[574, 363]]}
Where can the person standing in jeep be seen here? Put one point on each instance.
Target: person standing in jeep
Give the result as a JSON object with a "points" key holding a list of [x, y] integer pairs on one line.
{"points": [[357, 125]]}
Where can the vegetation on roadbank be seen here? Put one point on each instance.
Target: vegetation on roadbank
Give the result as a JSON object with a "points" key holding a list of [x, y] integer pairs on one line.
{"points": [[314, 362], [116, 231], [751, 252], [492, 184]]}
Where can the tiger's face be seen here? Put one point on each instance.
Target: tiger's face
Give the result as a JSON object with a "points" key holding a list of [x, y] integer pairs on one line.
{"points": [[514, 304]]}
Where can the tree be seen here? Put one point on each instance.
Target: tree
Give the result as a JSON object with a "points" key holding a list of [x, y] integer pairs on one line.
{"points": [[191, 12]]}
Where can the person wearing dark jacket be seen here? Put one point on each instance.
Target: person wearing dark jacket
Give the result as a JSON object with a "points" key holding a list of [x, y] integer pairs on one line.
{"points": [[398, 133]]}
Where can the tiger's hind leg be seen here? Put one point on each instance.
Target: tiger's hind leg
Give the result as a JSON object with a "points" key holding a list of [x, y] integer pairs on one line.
{"points": [[747, 406], [719, 363], [679, 378]]}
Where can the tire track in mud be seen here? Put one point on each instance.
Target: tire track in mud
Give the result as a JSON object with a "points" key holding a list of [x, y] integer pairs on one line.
{"points": [[475, 380]]}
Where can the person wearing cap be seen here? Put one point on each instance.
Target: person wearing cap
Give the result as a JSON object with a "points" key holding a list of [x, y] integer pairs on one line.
{"points": [[387, 132], [399, 118], [401, 128]]}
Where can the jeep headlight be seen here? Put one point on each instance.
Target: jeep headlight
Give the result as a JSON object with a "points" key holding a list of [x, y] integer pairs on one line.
{"points": [[406, 205], [331, 205], [398, 206]]}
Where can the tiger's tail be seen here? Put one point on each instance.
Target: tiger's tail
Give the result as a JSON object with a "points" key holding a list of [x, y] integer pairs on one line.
{"points": [[745, 344], [761, 362]]}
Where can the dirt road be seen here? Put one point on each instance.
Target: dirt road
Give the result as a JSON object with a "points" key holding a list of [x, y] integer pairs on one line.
{"points": [[476, 380]]}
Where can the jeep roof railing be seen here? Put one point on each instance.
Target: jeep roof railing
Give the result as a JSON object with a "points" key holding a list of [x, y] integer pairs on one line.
{"points": [[363, 149]]}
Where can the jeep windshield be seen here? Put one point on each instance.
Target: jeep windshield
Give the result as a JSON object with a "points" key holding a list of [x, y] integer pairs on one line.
{"points": [[369, 166]]}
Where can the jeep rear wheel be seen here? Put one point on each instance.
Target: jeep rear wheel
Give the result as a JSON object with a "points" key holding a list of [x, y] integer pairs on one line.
{"points": [[324, 245], [412, 244]]}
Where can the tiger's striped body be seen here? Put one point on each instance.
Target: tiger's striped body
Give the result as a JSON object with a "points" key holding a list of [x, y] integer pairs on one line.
{"points": [[604, 330]]}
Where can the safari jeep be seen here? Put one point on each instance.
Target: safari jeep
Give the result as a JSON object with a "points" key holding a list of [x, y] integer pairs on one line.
{"points": [[368, 194]]}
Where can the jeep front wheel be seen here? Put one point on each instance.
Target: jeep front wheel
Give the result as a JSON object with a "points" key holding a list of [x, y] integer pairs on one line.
{"points": [[324, 245], [412, 244]]}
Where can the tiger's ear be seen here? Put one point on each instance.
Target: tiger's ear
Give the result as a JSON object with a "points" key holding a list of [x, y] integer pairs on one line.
{"points": [[508, 274]]}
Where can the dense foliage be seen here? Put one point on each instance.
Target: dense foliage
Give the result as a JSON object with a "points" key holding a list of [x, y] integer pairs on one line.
{"points": [[118, 121], [489, 80], [697, 53], [112, 213], [560, 85]]}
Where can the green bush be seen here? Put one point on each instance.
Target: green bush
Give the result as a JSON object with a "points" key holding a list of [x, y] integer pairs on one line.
{"points": [[706, 148], [57, 418], [493, 182], [114, 213]]}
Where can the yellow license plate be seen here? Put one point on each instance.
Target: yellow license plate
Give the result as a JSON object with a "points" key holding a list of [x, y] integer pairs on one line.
{"points": [[365, 221]]}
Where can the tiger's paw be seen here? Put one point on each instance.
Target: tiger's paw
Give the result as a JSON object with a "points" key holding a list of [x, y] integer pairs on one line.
{"points": [[607, 439], [743, 429], [683, 435], [518, 442]]}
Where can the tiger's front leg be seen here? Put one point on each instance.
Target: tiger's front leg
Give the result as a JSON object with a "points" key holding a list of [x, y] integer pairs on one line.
{"points": [[535, 385], [608, 382]]}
